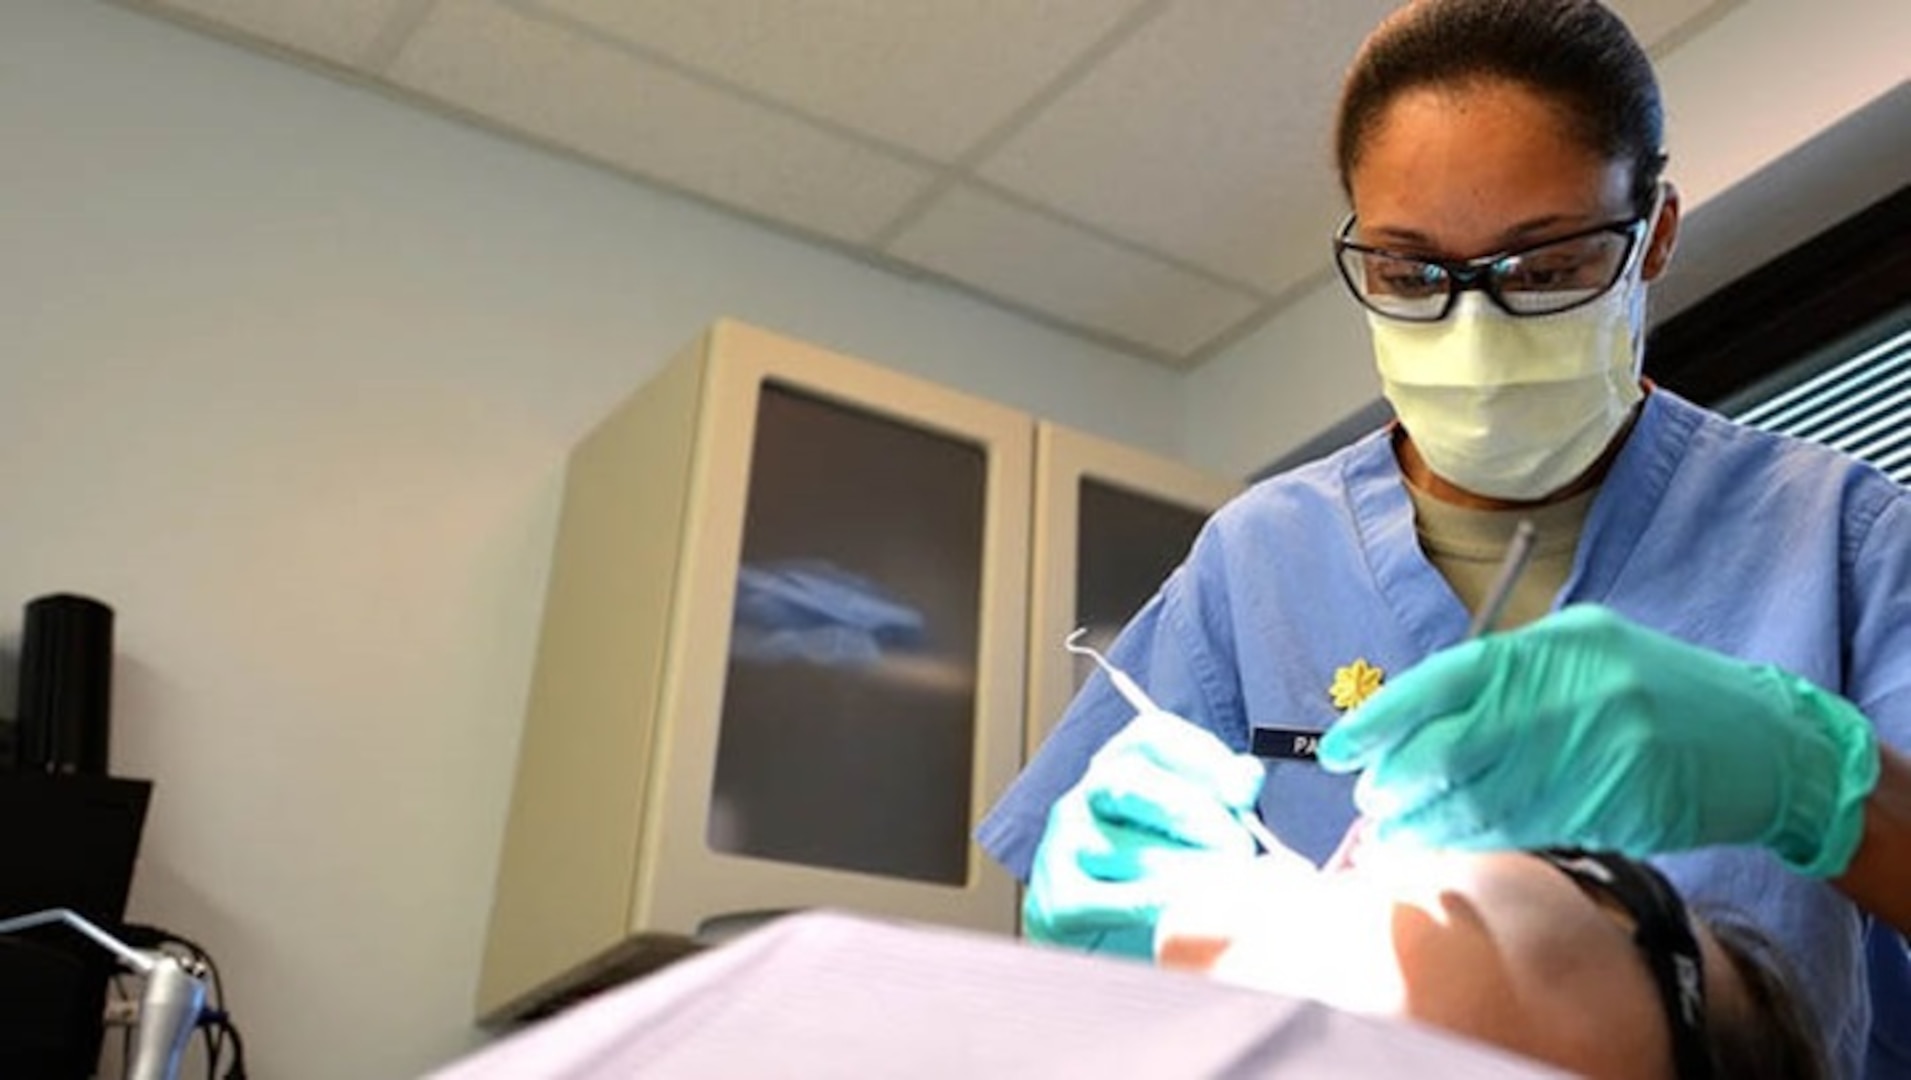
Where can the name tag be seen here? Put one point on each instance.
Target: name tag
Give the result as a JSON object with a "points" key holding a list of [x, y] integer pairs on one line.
{"points": [[1287, 744]]}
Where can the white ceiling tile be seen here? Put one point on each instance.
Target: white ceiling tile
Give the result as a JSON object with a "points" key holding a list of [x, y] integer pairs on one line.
{"points": [[1205, 136], [1196, 129], [337, 30], [1034, 261], [577, 93], [934, 76]]}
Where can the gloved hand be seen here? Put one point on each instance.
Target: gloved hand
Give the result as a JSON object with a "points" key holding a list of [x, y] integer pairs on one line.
{"points": [[1584, 729], [1154, 813]]}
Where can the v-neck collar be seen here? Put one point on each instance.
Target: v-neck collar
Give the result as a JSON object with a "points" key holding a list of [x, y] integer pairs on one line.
{"points": [[1621, 513]]}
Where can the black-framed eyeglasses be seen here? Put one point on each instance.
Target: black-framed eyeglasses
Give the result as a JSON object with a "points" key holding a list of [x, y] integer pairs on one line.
{"points": [[1547, 278]]}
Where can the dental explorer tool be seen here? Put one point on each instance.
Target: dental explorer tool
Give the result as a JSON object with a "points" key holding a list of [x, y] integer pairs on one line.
{"points": [[1139, 700]]}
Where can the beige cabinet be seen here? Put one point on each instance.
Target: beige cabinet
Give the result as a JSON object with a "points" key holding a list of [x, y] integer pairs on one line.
{"points": [[1111, 522], [784, 661]]}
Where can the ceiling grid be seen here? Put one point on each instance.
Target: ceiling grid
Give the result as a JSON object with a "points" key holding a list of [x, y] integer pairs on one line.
{"points": [[1153, 174]]}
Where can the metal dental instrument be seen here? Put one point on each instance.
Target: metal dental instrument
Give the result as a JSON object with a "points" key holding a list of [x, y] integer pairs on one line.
{"points": [[1138, 699], [170, 1006], [1518, 552]]}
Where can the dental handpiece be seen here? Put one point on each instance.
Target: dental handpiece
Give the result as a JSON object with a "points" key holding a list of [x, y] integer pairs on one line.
{"points": [[1138, 699]]}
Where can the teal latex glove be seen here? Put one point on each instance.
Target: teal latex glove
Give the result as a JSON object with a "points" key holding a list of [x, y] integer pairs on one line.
{"points": [[1154, 813], [1584, 729]]}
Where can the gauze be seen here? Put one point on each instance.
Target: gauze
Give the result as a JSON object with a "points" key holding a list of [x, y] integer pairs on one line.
{"points": [[1515, 407]]}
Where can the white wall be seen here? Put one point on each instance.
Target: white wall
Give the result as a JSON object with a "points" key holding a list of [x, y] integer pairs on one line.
{"points": [[287, 374], [1765, 79]]}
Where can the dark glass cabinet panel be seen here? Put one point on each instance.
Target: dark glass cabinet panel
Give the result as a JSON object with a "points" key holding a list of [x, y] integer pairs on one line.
{"points": [[848, 727], [1128, 544]]}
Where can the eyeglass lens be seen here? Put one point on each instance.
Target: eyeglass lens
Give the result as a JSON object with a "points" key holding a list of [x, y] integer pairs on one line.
{"points": [[1539, 280]]}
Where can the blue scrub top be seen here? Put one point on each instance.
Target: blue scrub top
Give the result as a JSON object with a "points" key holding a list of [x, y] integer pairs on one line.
{"points": [[1755, 545]]}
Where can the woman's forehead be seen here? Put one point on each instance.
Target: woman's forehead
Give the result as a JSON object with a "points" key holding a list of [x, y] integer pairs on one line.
{"points": [[1477, 168]]}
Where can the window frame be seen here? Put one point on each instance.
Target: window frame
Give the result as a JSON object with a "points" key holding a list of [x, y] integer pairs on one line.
{"points": [[1789, 310]]}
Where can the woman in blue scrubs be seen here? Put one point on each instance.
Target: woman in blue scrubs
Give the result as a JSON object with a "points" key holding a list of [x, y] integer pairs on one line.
{"points": [[1707, 660]]}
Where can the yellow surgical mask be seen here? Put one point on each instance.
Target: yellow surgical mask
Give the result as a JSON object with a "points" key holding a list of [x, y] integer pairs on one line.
{"points": [[1515, 407]]}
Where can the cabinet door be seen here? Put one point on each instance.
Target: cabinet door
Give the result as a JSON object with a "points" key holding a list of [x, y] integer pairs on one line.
{"points": [[849, 702], [854, 619], [1111, 522]]}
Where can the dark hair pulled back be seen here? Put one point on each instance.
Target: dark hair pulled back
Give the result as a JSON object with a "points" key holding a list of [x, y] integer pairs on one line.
{"points": [[1576, 53]]}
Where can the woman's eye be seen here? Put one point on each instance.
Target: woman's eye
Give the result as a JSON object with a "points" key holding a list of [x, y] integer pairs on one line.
{"points": [[1550, 274], [1408, 280]]}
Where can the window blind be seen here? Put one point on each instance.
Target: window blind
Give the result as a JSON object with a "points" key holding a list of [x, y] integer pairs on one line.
{"points": [[1860, 405]]}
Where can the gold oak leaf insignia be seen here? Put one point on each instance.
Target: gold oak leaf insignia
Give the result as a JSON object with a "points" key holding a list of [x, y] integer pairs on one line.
{"points": [[1355, 683]]}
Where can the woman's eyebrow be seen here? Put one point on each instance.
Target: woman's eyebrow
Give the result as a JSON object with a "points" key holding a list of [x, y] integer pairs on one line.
{"points": [[1515, 236], [1551, 223]]}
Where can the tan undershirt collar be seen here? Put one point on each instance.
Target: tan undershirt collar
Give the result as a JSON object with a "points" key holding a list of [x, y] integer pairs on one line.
{"points": [[1466, 545]]}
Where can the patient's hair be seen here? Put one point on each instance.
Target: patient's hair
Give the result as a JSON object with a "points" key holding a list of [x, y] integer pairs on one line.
{"points": [[1768, 1033]]}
